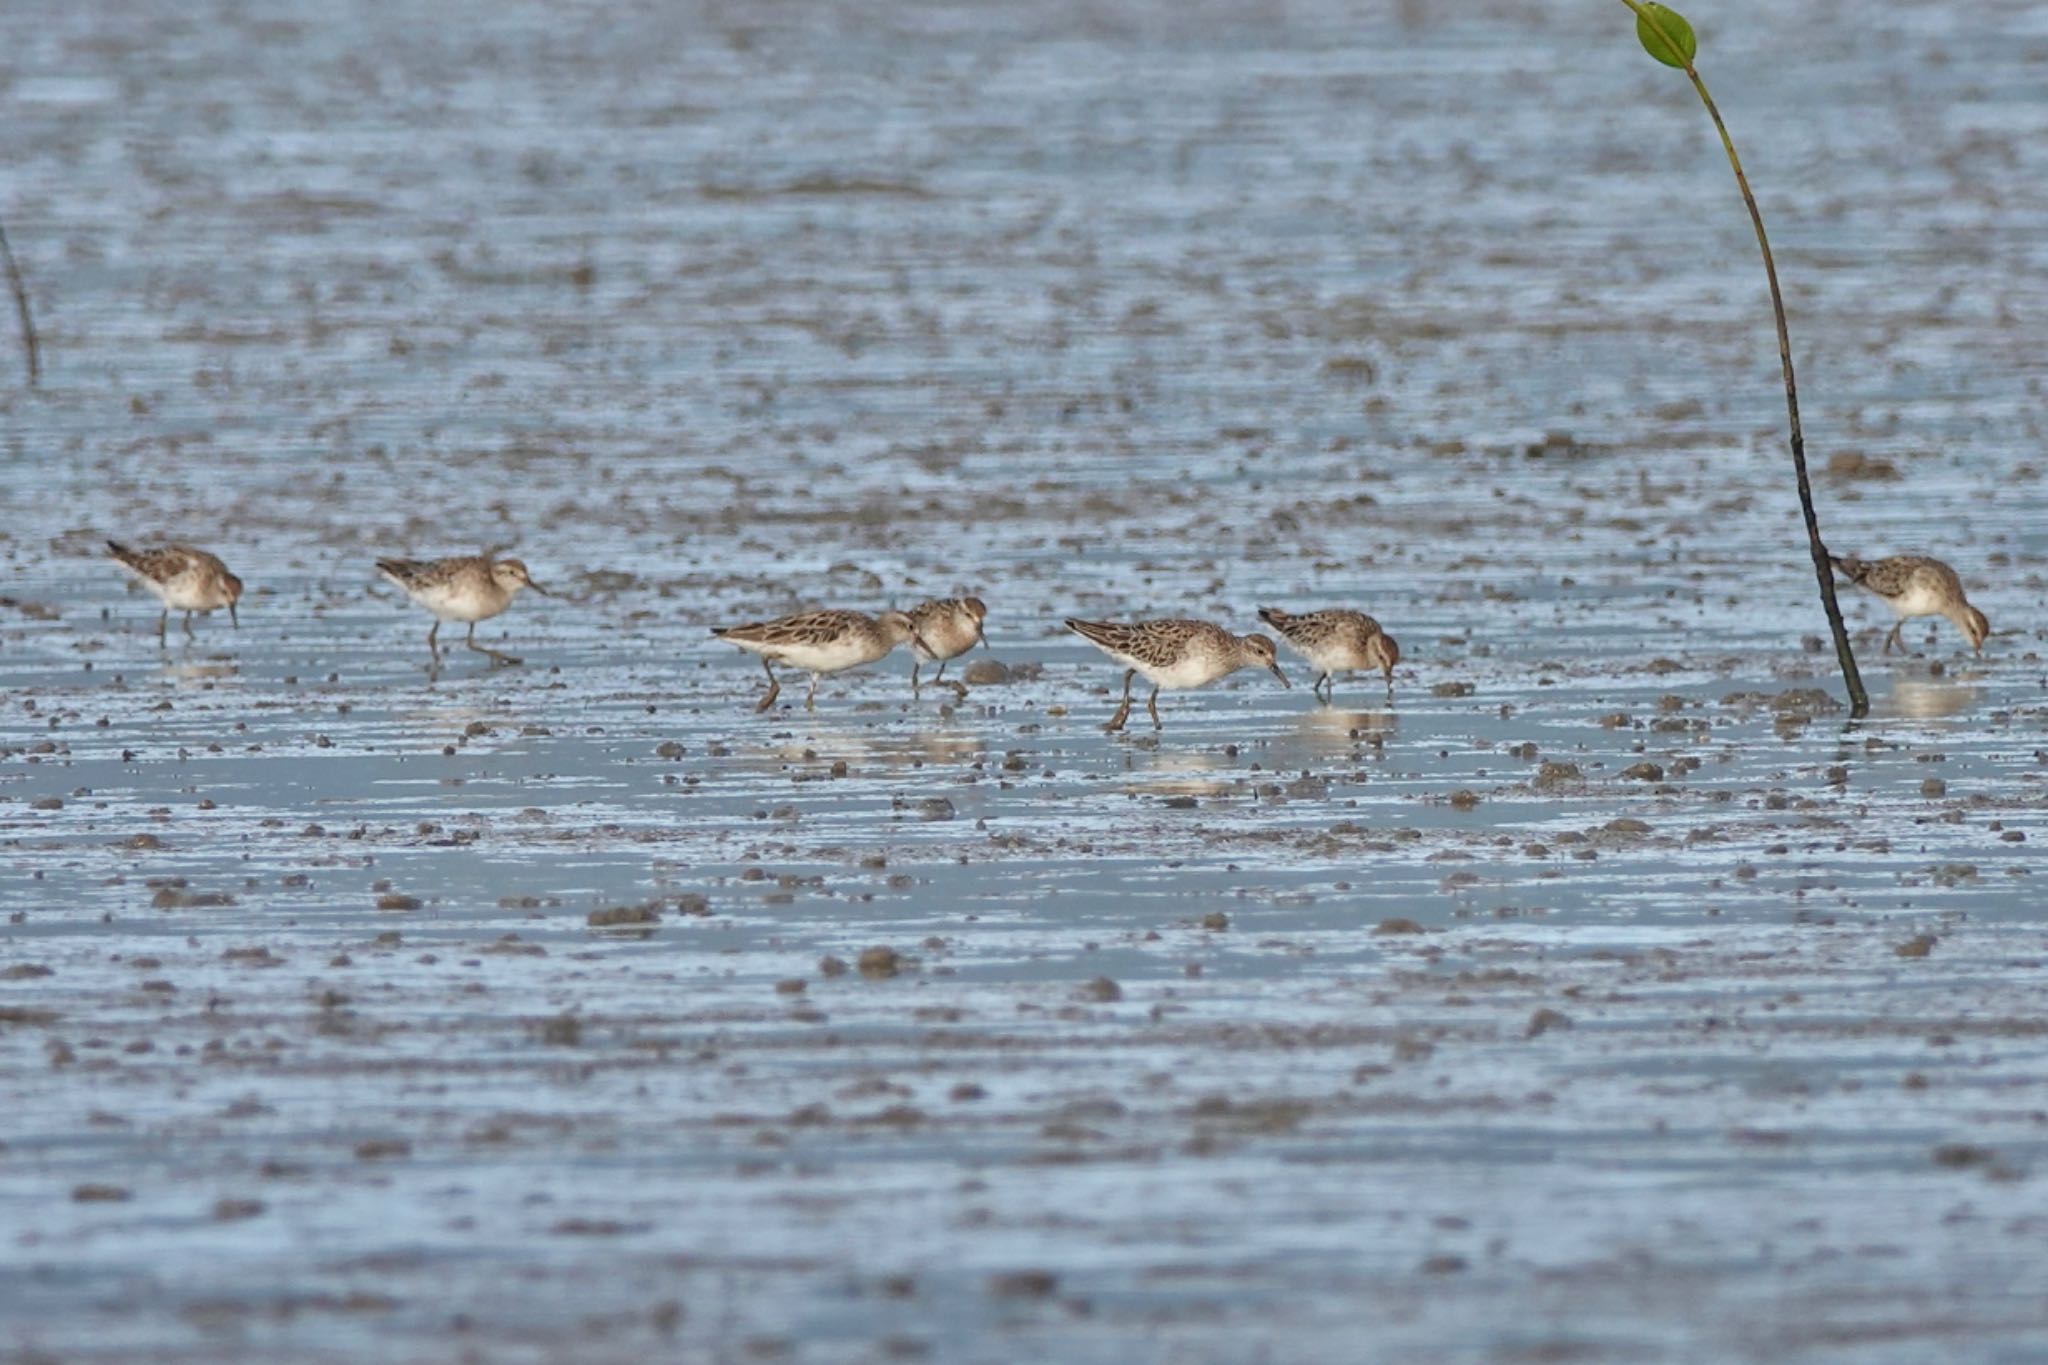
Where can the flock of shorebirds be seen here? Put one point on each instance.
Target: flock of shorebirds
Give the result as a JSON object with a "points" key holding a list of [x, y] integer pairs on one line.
{"points": [[1172, 654]]}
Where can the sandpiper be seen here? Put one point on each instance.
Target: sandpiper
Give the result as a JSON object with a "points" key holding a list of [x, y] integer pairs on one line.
{"points": [[819, 642], [1336, 640], [1914, 585], [468, 588], [947, 627], [1175, 654], [184, 579]]}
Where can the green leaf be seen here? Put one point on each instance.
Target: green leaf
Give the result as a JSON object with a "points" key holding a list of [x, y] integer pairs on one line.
{"points": [[1665, 35]]}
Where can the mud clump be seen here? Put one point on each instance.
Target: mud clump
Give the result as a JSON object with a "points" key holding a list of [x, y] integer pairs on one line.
{"points": [[1805, 701], [1397, 926], [99, 1194], [175, 898], [1544, 1020], [623, 916], [397, 900], [564, 1030], [1917, 947], [1962, 1155], [1023, 1284], [1855, 465], [987, 673], [879, 963], [1102, 990], [1556, 776]]}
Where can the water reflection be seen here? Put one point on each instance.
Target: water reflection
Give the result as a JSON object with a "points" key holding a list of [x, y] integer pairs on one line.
{"points": [[1176, 772], [1331, 731], [201, 672], [1929, 698]]}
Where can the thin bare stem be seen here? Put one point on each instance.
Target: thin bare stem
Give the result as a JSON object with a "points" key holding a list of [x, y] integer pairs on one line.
{"points": [[1859, 700], [28, 322]]}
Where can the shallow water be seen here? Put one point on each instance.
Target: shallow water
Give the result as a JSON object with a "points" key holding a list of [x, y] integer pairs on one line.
{"points": [[1279, 1030]]}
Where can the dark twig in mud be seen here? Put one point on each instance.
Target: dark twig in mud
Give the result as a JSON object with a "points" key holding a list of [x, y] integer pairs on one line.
{"points": [[28, 322], [1666, 35]]}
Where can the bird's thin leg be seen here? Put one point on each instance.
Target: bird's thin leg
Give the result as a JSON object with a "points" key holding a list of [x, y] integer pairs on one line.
{"points": [[1322, 683], [497, 656], [774, 689], [162, 626], [188, 625], [1123, 712], [1893, 638], [1152, 705], [811, 697], [914, 666], [941, 674], [433, 645]]}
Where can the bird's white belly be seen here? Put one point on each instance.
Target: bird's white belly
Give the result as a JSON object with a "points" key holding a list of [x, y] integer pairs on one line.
{"points": [[1918, 600], [457, 604], [1330, 658], [186, 592], [1196, 671], [833, 657]]}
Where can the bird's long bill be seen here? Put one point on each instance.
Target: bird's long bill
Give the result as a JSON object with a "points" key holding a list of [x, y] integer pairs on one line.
{"points": [[538, 588], [234, 618], [1282, 677], [981, 637], [922, 645]]}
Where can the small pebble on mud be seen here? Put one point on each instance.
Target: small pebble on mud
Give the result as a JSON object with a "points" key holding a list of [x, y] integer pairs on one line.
{"points": [[879, 962], [618, 915], [99, 1194], [1023, 1284]]}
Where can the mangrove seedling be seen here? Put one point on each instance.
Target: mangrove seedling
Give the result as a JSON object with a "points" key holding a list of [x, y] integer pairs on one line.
{"points": [[1666, 35]]}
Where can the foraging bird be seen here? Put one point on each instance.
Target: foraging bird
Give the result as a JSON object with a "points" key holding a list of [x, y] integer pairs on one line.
{"points": [[184, 579], [468, 588], [1175, 654], [1915, 585], [1336, 641], [820, 642], [947, 627]]}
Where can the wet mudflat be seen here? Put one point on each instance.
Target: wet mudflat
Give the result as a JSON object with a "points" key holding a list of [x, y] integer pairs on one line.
{"points": [[1603, 996]]}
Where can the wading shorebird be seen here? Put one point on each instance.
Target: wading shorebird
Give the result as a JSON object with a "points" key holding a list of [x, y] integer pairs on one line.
{"points": [[1336, 641], [947, 627], [820, 642], [468, 588], [184, 579], [1914, 585], [1174, 654]]}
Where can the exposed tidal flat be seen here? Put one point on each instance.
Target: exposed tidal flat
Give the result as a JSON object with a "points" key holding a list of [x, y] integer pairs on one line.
{"points": [[1606, 996]]}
